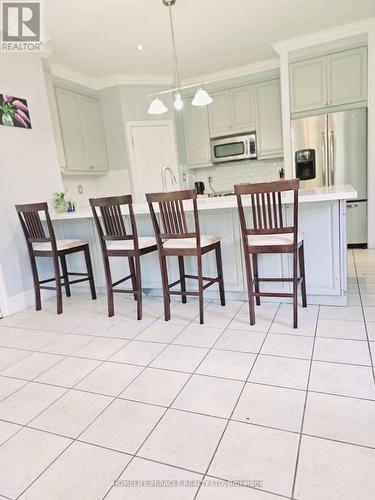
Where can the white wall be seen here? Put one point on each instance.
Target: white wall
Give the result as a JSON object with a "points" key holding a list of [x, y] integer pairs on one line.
{"points": [[28, 172]]}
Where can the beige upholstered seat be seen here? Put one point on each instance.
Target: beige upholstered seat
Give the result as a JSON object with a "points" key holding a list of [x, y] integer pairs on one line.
{"points": [[272, 239], [61, 245], [190, 242], [143, 242]]}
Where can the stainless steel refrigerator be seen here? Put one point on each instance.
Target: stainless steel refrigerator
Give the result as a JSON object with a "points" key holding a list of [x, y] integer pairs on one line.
{"points": [[331, 149]]}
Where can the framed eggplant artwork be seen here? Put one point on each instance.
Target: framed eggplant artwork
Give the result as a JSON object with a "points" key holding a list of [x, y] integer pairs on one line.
{"points": [[14, 111]]}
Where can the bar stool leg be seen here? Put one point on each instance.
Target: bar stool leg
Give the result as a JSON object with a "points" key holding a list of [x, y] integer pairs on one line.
{"points": [[295, 298], [256, 276], [89, 272], [250, 290], [65, 275], [302, 272], [138, 280], [200, 288], [219, 264], [108, 278], [164, 277], [56, 267], [132, 272], [38, 300], [182, 277]]}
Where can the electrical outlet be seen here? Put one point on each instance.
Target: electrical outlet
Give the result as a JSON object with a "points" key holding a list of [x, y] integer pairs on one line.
{"points": [[80, 189]]}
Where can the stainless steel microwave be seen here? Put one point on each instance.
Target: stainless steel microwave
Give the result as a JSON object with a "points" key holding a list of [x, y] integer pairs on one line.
{"points": [[234, 147]]}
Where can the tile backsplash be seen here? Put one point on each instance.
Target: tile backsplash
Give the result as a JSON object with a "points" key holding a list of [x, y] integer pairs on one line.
{"points": [[226, 175]]}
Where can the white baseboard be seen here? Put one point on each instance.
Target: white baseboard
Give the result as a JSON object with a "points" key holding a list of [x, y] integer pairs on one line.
{"points": [[23, 300]]}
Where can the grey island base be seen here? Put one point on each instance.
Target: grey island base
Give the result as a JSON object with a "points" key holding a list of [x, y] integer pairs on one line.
{"points": [[322, 222]]}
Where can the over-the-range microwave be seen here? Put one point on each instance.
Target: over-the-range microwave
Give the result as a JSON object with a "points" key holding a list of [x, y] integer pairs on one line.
{"points": [[234, 147]]}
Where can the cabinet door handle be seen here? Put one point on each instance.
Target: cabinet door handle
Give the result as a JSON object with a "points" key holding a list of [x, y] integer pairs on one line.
{"points": [[352, 205], [91, 167]]}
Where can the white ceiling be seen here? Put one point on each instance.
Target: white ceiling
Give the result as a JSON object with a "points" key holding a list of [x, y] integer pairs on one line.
{"points": [[99, 37]]}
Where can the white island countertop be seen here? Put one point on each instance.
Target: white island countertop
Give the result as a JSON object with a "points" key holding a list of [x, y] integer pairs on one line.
{"points": [[310, 195]]}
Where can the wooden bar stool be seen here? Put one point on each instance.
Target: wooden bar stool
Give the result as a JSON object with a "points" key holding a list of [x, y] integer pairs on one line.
{"points": [[268, 234], [40, 245], [174, 239], [115, 242]]}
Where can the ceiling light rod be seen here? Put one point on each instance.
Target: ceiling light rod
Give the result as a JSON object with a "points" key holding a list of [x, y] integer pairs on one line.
{"points": [[184, 87], [169, 4]]}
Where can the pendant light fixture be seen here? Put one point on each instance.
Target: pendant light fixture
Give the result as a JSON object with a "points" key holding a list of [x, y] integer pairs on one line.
{"points": [[201, 98]]}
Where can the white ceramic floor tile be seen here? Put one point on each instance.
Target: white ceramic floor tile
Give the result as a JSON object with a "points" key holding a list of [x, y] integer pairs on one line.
{"points": [[96, 326], [368, 299], [127, 329], [160, 331], [349, 313], [271, 406], [9, 357], [28, 402], [66, 344], [284, 324], [123, 426], [32, 366], [211, 396], [109, 378], [140, 470], [21, 338], [232, 491], [180, 358], [227, 364], [293, 346], [184, 439], [156, 386], [235, 340], [345, 419], [217, 318], [341, 329], [9, 385], [7, 430], [100, 348], [334, 470], [68, 372], [71, 414], [24, 456], [286, 372], [257, 453], [198, 336], [81, 472], [138, 352], [369, 313], [346, 380], [242, 322], [371, 331], [342, 351]]}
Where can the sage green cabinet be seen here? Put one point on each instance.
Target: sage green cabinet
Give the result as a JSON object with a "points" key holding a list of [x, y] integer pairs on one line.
{"points": [[197, 135], [269, 123], [82, 132], [232, 111], [331, 80]]}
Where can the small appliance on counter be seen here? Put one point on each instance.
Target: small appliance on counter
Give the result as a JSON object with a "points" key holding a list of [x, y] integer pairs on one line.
{"points": [[199, 186], [234, 147]]}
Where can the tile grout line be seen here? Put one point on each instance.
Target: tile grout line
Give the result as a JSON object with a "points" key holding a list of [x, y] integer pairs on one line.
{"points": [[235, 405], [304, 409]]}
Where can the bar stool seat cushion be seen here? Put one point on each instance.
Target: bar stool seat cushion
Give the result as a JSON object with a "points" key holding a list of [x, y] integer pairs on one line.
{"points": [[60, 244], [273, 239], [190, 242], [143, 242]]}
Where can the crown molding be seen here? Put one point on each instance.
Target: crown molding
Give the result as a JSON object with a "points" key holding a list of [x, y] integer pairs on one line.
{"points": [[112, 80], [236, 72], [325, 36], [74, 76]]}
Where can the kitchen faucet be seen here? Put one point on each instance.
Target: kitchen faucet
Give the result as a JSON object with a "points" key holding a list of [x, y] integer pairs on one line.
{"points": [[163, 179]]}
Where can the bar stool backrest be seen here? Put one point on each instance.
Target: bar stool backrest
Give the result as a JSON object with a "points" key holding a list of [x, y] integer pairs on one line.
{"points": [[172, 215], [266, 208], [31, 223], [109, 219]]}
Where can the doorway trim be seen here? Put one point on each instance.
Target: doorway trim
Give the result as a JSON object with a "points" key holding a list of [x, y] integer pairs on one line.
{"points": [[129, 143]]}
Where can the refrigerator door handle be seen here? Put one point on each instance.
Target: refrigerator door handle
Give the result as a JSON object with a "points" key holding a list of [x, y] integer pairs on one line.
{"points": [[324, 153], [332, 158]]}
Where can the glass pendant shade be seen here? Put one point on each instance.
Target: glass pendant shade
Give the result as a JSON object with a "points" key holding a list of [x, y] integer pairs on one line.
{"points": [[178, 102], [157, 107], [201, 98]]}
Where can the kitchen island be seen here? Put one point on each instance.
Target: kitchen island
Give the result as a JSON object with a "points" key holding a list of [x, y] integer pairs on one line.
{"points": [[322, 222]]}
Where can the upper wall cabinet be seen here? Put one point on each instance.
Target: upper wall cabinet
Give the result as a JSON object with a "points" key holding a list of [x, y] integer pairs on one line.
{"points": [[197, 135], [232, 111], [269, 126], [82, 132], [332, 80]]}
